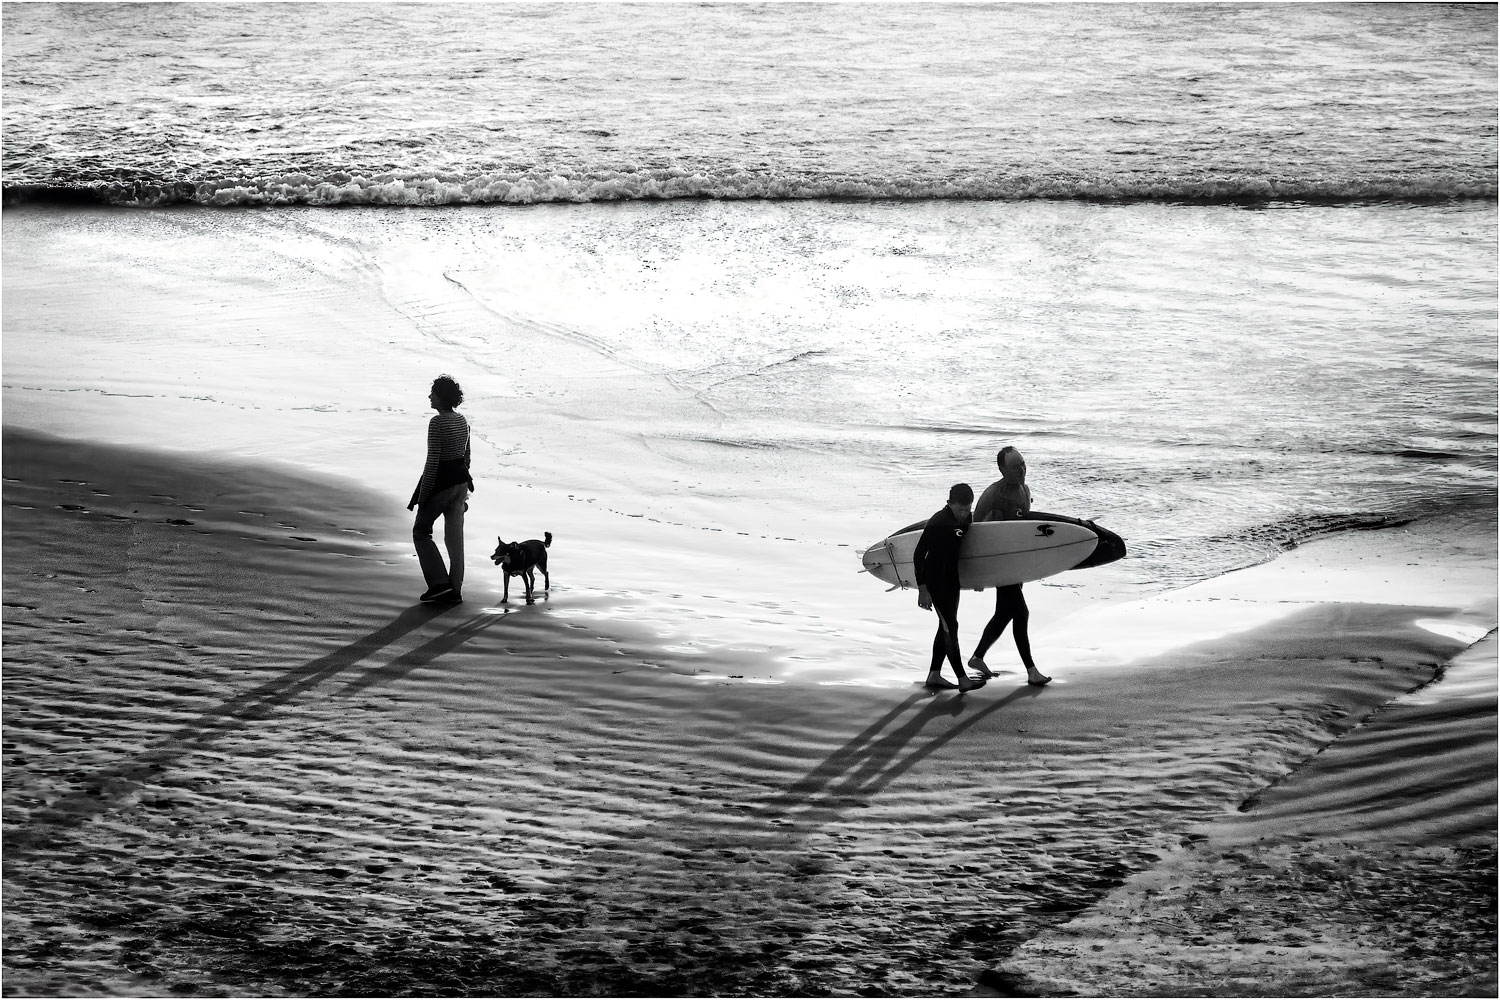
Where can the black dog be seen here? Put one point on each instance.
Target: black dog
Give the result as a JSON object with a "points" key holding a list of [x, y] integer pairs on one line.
{"points": [[519, 559]]}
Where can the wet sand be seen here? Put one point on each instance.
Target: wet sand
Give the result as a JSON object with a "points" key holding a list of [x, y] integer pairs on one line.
{"points": [[240, 760]]}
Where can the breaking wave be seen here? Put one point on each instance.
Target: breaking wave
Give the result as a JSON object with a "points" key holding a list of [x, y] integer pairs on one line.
{"points": [[668, 183]]}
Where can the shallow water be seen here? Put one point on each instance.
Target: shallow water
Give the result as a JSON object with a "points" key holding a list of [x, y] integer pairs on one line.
{"points": [[1057, 263], [1215, 384]]}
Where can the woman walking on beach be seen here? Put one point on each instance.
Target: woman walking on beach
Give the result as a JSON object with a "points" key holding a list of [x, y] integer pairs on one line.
{"points": [[443, 491]]}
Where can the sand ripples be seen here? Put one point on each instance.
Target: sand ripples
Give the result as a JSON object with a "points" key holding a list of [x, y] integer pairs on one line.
{"points": [[227, 773]]}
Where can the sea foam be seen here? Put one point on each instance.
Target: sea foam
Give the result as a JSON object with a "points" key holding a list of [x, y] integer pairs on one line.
{"points": [[669, 183]]}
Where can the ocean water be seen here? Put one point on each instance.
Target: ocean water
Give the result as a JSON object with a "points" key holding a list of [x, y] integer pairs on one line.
{"points": [[431, 103], [1226, 274]]}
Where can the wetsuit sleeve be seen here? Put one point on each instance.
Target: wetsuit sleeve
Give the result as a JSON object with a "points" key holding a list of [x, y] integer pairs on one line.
{"points": [[919, 556], [924, 551]]}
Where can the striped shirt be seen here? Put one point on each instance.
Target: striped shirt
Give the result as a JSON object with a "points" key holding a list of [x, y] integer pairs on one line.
{"points": [[447, 442]]}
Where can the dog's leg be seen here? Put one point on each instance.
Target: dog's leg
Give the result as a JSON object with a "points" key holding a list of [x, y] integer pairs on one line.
{"points": [[530, 579], [506, 599]]}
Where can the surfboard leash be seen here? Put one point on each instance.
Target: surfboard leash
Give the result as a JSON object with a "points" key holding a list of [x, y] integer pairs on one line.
{"points": [[890, 553]]}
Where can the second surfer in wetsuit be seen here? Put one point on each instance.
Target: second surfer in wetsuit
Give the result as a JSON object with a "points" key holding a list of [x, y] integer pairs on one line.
{"points": [[936, 565], [1007, 499]]}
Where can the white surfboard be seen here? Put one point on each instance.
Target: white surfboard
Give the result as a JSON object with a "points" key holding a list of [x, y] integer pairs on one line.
{"points": [[992, 554]]}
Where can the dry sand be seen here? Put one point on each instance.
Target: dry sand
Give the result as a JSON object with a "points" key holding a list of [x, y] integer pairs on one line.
{"points": [[240, 761]]}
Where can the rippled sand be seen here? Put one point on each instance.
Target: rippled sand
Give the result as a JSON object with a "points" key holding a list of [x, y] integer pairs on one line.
{"points": [[1369, 870], [239, 760]]}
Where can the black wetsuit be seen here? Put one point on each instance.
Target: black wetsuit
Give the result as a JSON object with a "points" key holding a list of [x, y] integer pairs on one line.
{"points": [[997, 503], [936, 564]]}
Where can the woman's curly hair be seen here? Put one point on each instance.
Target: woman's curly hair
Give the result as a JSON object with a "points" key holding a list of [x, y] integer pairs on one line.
{"points": [[448, 392]]}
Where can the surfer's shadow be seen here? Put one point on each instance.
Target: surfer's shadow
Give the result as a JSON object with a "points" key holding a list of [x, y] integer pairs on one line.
{"points": [[867, 764]]}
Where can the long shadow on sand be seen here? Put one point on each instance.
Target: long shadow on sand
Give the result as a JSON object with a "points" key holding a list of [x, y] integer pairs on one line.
{"points": [[104, 789], [873, 758], [723, 896]]}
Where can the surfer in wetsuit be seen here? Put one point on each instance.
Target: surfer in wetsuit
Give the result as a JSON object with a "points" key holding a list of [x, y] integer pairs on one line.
{"points": [[1007, 499], [936, 564], [443, 491]]}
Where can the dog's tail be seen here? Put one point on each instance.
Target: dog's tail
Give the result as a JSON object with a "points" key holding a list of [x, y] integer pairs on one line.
{"points": [[547, 544]]}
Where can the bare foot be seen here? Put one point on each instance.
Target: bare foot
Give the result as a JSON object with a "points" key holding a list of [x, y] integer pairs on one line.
{"points": [[1037, 679], [937, 683], [969, 683], [980, 667]]}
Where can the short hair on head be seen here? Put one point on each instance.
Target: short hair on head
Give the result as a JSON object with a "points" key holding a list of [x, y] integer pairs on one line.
{"points": [[1000, 457], [961, 493], [448, 392]]}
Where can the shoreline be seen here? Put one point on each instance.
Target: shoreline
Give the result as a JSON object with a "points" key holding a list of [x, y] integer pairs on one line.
{"points": [[240, 760]]}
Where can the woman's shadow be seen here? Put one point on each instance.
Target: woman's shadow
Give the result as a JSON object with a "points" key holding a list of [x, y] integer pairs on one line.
{"points": [[103, 789]]}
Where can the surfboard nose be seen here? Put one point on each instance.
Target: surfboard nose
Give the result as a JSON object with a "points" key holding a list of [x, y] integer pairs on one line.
{"points": [[1110, 548]]}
